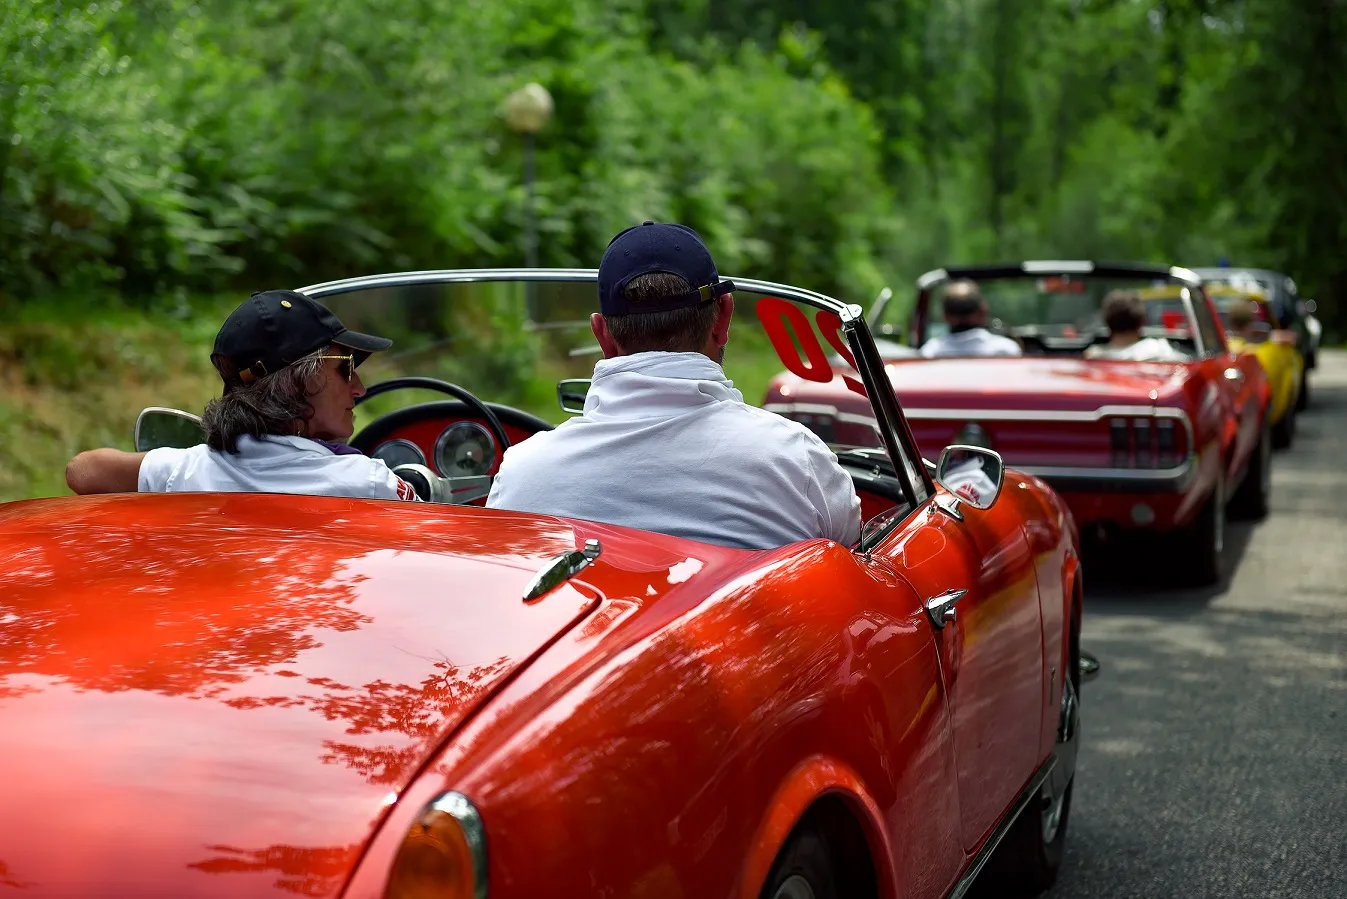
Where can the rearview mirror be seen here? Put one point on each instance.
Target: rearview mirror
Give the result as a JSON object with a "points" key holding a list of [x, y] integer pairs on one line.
{"points": [[973, 474], [1310, 306], [158, 427], [571, 394]]}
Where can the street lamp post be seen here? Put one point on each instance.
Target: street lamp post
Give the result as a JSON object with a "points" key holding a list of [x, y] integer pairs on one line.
{"points": [[526, 112]]}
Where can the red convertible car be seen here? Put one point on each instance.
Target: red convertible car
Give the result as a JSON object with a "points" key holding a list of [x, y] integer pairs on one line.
{"points": [[1133, 446], [244, 694]]}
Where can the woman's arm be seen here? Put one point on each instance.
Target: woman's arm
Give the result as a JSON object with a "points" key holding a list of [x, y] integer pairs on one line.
{"points": [[104, 471]]}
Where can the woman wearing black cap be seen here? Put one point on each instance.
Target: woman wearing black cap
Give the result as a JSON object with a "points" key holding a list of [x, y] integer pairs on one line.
{"points": [[290, 386]]}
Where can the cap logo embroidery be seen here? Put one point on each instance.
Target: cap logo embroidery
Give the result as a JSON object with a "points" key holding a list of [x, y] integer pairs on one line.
{"points": [[285, 304]]}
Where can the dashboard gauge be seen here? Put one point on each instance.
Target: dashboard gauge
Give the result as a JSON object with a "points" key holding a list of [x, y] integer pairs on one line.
{"points": [[399, 452], [464, 449]]}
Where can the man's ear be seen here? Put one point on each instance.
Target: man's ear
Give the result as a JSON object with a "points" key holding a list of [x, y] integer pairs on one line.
{"points": [[720, 331], [599, 325]]}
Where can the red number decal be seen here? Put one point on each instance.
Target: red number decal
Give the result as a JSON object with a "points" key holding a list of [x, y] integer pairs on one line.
{"points": [[830, 323], [779, 319]]}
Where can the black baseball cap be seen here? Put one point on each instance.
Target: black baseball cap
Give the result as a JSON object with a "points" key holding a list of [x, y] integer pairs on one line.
{"points": [[273, 328], [658, 247]]}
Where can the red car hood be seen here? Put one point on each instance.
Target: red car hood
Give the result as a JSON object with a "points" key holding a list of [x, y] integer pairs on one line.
{"points": [[210, 695], [1030, 382]]}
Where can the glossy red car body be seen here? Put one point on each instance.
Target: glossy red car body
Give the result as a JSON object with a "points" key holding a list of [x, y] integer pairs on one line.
{"points": [[1054, 415], [242, 694]]}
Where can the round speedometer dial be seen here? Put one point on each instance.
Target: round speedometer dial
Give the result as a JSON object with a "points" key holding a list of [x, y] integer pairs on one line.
{"points": [[399, 451], [464, 449]]}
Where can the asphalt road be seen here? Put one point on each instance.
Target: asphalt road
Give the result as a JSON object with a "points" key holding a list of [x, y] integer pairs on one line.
{"points": [[1214, 760]]}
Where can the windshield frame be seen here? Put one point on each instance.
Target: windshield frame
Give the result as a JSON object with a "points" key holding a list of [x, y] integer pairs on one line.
{"points": [[909, 468], [926, 284]]}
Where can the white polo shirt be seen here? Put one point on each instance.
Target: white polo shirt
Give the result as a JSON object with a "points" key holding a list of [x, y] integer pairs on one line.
{"points": [[667, 444], [274, 464], [1147, 349], [973, 342]]}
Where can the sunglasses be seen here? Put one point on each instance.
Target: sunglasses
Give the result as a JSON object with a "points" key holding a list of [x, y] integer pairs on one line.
{"points": [[347, 367]]}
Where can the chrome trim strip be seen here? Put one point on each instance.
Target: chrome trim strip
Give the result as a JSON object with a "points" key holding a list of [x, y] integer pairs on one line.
{"points": [[846, 311], [822, 409], [461, 809], [1045, 414], [1062, 473], [806, 408], [1021, 805], [1057, 266]]}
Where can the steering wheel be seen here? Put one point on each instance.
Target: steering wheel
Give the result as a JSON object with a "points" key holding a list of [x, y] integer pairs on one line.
{"points": [[453, 390]]}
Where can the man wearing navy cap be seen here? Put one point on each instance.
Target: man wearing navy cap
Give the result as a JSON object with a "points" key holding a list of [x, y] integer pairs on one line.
{"points": [[666, 443], [290, 386]]}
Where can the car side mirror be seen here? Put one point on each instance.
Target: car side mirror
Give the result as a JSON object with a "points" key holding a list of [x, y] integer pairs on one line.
{"points": [[571, 394], [158, 427], [973, 474]]}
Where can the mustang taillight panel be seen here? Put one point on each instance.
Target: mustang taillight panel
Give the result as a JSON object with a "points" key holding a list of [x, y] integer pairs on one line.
{"points": [[1145, 442]]}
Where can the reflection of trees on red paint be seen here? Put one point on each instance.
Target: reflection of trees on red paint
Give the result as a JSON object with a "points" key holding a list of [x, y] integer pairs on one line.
{"points": [[195, 593], [145, 612], [308, 872], [418, 712], [10, 880]]}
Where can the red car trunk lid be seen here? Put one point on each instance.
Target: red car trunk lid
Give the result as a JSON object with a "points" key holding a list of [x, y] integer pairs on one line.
{"points": [[217, 695]]}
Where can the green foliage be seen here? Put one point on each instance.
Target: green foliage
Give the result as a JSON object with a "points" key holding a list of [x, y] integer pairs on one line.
{"points": [[209, 145]]}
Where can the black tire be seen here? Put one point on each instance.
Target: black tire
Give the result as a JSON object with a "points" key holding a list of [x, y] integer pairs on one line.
{"points": [[1030, 857], [1285, 430], [1198, 548], [803, 869], [1255, 491], [1303, 398]]}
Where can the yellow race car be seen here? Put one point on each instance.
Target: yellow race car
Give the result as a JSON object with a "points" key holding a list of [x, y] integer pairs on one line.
{"points": [[1251, 328]]}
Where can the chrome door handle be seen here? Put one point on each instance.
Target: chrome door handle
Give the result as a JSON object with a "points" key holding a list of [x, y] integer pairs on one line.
{"points": [[941, 608]]}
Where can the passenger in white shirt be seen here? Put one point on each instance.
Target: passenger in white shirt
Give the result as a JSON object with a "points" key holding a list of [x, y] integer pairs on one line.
{"points": [[666, 443], [966, 314], [1125, 315], [290, 386]]}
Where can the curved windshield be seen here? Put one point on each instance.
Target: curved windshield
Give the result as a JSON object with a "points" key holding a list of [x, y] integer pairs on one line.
{"points": [[1225, 302], [1058, 312], [513, 341]]}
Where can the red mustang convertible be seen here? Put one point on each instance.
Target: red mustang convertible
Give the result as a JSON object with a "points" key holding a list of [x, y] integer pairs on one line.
{"points": [[245, 695], [1163, 447]]}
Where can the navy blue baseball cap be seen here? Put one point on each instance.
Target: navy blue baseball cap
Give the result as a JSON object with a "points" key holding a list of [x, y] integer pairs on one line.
{"points": [[273, 328], [658, 247]]}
